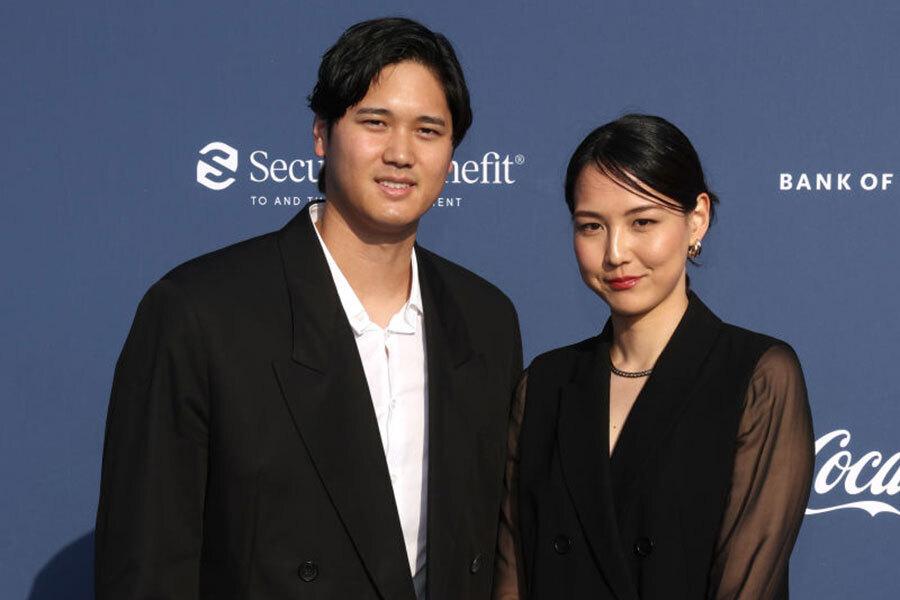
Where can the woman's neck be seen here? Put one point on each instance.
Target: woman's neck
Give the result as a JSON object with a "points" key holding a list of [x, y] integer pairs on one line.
{"points": [[638, 340]]}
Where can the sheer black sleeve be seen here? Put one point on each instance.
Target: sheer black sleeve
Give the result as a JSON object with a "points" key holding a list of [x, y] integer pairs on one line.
{"points": [[770, 485], [507, 578]]}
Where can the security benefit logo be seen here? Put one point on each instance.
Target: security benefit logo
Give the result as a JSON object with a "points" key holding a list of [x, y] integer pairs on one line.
{"points": [[279, 180], [853, 478], [211, 176], [491, 168]]}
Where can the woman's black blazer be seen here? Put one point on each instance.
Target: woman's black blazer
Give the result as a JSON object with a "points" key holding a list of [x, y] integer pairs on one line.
{"points": [[704, 493]]}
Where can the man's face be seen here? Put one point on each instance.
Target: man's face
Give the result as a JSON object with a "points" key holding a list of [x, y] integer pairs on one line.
{"points": [[389, 155]]}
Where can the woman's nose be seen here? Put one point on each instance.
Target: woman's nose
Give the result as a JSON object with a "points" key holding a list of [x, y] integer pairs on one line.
{"points": [[616, 247]]}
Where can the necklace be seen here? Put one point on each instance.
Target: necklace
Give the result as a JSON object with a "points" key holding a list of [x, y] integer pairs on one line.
{"points": [[631, 374]]}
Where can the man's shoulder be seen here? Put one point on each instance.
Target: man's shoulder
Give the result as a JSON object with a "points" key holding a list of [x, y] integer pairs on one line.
{"points": [[242, 273], [238, 261], [468, 287]]}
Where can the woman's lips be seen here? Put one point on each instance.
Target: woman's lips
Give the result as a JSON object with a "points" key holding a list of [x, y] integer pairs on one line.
{"points": [[623, 283]]}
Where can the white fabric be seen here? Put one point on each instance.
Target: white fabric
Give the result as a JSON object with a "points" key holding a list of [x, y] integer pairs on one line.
{"points": [[395, 366]]}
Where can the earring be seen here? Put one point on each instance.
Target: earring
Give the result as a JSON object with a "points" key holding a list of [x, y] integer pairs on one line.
{"points": [[695, 249]]}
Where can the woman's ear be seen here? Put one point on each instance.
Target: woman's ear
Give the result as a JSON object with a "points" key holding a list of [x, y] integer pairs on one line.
{"points": [[699, 218]]}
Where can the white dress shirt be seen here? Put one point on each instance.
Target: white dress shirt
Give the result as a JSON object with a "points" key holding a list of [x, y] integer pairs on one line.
{"points": [[395, 366]]}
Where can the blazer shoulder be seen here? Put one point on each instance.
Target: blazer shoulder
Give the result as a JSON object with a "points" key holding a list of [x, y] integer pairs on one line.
{"points": [[751, 340], [229, 269], [472, 288], [561, 362]]}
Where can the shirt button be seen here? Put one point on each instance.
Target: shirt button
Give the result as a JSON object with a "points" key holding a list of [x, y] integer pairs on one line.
{"points": [[393, 403], [393, 478]]}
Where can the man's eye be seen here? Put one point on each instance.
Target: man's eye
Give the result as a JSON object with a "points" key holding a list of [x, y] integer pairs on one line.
{"points": [[374, 122]]}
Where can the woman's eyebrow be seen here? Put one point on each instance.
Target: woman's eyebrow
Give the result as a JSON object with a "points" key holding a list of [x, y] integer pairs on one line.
{"points": [[639, 209]]}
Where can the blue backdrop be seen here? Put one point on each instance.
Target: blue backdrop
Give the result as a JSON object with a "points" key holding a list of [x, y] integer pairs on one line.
{"points": [[107, 105]]}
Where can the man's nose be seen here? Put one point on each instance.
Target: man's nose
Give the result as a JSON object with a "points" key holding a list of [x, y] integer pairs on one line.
{"points": [[399, 151]]}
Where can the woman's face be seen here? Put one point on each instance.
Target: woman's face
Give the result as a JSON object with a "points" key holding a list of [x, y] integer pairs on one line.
{"points": [[631, 250]]}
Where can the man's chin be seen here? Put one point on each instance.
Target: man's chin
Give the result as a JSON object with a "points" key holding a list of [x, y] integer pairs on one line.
{"points": [[392, 225], [398, 217]]}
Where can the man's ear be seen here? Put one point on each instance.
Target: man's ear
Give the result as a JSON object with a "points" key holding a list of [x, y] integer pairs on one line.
{"points": [[320, 136]]}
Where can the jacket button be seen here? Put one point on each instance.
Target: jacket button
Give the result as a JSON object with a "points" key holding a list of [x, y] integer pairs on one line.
{"points": [[476, 564], [643, 547], [308, 571], [562, 544]]}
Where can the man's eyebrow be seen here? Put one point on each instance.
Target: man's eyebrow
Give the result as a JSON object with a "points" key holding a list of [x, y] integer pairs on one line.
{"points": [[382, 112], [373, 111], [432, 120]]}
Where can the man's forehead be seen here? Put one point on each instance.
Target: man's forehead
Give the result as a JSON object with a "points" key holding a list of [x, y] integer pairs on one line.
{"points": [[405, 87]]}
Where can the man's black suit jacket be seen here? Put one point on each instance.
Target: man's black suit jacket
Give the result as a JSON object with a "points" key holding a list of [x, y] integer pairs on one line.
{"points": [[242, 455]]}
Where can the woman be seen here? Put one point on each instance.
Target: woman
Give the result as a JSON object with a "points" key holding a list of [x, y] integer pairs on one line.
{"points": [[671, 456]]}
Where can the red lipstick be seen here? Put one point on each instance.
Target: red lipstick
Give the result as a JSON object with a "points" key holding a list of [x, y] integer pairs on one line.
{"points": [[623, 283]]}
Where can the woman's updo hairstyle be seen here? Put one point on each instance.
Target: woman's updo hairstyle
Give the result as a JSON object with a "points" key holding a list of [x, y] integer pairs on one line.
{"points": [[646, 155]]}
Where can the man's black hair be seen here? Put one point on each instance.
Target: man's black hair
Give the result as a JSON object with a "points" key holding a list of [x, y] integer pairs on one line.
{"points": [[357, 58]]}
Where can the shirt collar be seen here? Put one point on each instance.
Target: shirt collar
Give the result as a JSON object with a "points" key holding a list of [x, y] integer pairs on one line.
{"points": [[406, 319]]}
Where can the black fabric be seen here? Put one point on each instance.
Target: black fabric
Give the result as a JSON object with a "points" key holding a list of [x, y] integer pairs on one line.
{"points": [[648, 522], [242, 455]]}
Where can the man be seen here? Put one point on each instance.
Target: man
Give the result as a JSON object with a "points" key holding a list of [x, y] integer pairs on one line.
{"points": [[321, 412]]}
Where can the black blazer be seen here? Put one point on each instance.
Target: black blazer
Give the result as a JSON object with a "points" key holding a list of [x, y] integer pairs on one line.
{"points": [[644, 523], [242, 455]]}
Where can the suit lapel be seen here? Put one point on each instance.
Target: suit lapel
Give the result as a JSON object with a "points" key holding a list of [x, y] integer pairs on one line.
{"points": [[666, 394], [584, 449], [455, 379], [325, 388]]}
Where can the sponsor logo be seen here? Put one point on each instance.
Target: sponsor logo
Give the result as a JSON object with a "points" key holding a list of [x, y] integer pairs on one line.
{"points": [[490, 168], [487, 170], [837, 182], [873, 478], [223, 155], [280, 170]]}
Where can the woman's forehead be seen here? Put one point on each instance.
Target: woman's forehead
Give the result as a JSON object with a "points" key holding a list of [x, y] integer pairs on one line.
{"points": [[597, 190]]}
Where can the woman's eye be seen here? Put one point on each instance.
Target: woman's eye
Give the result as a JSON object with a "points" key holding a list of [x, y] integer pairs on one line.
{"points": [[589, 227], [643, 222]]}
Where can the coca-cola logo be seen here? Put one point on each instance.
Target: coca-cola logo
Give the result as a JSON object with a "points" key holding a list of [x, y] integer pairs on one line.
{"points": [[869, 475]]}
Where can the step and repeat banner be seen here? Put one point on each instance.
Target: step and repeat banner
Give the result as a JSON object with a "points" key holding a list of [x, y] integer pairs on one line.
{"points": [[137, 135]]}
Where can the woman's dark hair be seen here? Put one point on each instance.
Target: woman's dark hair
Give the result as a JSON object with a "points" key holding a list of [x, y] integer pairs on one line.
{"points": [[646, 155], [350, 66]]}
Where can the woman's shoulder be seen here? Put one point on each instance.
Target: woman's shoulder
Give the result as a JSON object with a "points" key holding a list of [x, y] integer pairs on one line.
{"points": [[776, 377], [563, 360], [771, 365], [770, 353]]}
